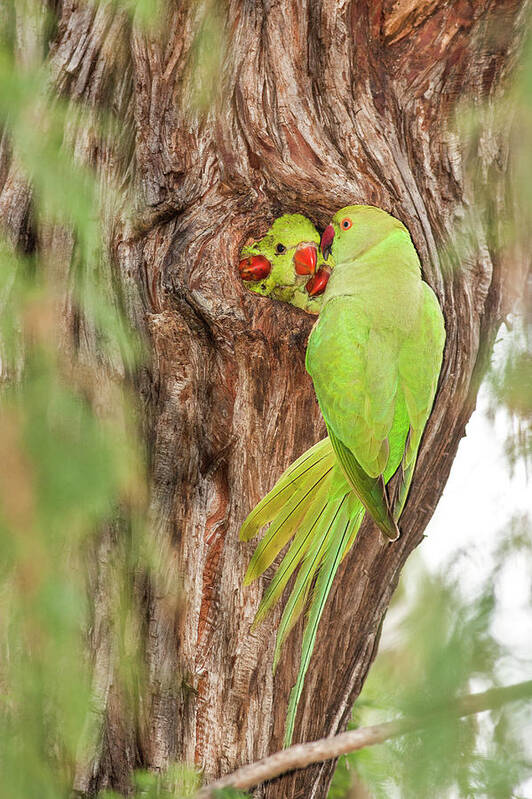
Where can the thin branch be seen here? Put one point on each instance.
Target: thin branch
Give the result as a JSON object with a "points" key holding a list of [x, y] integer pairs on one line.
{"points": [[301, 755]]}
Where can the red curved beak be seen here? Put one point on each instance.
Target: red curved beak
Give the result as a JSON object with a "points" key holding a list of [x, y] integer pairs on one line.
{"points": [[317, 284], [305, 260], [254, 267], [327, 240]]}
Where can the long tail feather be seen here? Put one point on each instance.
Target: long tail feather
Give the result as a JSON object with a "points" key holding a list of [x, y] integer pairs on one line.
{"points": [[357, 515], [320, 456], [307, 572], [342, 533], [302, 541], [298, 596], [283, 528], [313, 506]]}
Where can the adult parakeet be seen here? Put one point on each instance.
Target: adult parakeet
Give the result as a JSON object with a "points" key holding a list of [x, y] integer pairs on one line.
{"points": [[374, 357], [286, 264]]}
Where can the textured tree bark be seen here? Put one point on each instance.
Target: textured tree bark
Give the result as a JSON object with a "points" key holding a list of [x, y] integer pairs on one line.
{"points": [[318, 104]]}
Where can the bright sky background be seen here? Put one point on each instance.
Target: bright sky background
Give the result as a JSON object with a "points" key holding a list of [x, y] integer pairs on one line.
{"points": [[479, 500], [477, 505], [481, 494]]}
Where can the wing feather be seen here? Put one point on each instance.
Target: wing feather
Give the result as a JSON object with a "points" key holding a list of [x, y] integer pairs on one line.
{"points": [[354, 367]]}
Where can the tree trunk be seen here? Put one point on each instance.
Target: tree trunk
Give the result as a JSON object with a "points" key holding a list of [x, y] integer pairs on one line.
{"points": [[318, 104]]}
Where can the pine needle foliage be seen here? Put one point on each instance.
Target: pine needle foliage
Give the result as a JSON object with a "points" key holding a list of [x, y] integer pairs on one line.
{"points": [[71, 468]]}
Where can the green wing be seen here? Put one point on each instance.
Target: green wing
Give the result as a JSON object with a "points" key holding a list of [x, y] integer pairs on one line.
{"points": [[375, 387], [369, 490], [420, 359], [354, 367]]}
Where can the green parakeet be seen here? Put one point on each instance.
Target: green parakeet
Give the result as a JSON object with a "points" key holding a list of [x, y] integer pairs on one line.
{"points": [[374, 356], [286, 264]]}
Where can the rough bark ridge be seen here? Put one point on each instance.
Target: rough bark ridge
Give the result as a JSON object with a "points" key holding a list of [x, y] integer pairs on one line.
{"points": [[319, 104]]}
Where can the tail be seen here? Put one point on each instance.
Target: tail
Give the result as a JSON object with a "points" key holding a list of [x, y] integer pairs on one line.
{"points": [[313, 506]]}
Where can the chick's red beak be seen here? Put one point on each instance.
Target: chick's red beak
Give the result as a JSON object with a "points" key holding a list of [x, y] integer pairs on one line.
{"points": [[317, 284], [327, 240], [254, 267], [305, 260]]}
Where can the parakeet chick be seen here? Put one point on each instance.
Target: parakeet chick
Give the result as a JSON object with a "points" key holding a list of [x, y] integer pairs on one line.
{"points": [[286, 264]]}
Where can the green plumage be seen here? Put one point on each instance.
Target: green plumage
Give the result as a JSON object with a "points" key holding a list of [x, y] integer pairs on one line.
{"points": [[283, 283], [375, 354], [374, 357]]}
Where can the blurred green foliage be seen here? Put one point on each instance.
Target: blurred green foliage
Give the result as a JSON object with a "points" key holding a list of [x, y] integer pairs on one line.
{"points": [[72, 473], [446, 645], [501, 187], [178, 782], [509, 384], [205, 62], [71, 459], [146, 14]]}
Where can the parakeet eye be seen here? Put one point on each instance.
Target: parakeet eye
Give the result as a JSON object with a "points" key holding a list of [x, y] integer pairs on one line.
{"points": [[346, 223], [280, 249]]}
